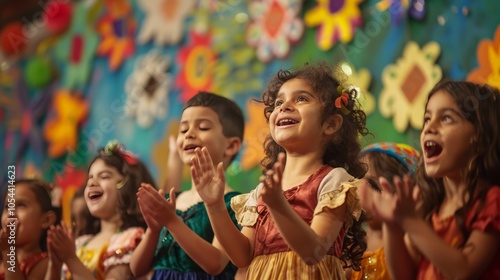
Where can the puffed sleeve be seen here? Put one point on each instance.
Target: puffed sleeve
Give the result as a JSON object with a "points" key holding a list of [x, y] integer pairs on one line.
{"points": [[488, 218], [339, 187], [245, 207], [121, 246]]}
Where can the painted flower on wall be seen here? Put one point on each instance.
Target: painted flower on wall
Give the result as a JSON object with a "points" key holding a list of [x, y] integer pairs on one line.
{"points": [[66, 184], [147, 89], [401, 9], [237, 69], [78, 46], [164, 20], [488, 56], [275, 25], [256, 130], [197, 61], [360, 80], [337, 20], [61, 131], [407, 83], [116, 27]]}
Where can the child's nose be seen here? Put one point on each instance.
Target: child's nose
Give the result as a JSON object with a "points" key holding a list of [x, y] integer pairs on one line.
{"points": [[430, 126], [190, 134], [286, 106]]}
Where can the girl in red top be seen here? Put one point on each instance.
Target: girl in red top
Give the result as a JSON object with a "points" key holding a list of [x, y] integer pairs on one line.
{"points": [[457, 235], [31, 217]]}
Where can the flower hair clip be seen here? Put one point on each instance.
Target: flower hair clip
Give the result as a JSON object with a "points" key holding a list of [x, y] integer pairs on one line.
{"points": [[342, 101], [114, 147]]}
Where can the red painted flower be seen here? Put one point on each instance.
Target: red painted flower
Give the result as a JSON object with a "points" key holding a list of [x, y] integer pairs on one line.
{"points": [[198, 60]]}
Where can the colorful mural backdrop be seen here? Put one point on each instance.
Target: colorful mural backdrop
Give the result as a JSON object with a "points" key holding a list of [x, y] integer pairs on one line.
{"points": [[118, 69]]}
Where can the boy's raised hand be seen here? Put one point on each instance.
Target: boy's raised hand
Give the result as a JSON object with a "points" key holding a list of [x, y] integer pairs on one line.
{"points": [[272, 191], [209, 181], [156, 210]]}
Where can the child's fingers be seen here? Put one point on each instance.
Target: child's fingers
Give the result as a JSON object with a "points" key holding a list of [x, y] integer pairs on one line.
{"points": [[161, 192], [408, 186], [416, 193], [207, 161], [278, 173], [220, 171], [385, 186], [172, 144], [171, 199], [398, 186], [194, 174]]}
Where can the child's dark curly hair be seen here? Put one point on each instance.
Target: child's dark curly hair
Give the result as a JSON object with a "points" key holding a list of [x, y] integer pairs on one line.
{"points": [[344, 147]]}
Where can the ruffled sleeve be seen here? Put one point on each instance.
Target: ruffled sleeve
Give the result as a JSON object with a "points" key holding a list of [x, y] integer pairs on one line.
{"points": [[121, 246], [339, 187], [488, 218], [245, 207]]}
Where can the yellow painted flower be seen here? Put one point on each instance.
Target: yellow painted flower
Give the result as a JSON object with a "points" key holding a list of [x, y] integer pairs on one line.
{"points": [[360, 80], [256, 130], [198, 60], [407, 83], [62, 131], [488, 56], [337, 20]]}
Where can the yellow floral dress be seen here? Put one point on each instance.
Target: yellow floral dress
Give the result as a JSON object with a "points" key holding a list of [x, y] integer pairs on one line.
{"points": [[118, 251], [329, 188], [373, 267]]}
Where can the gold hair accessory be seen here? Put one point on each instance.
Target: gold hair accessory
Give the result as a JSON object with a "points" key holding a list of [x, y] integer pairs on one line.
{"points": [[121, 184]]}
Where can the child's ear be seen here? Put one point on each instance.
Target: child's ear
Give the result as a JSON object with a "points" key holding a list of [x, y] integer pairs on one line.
{"points": [[48, 219], [332, 124], [233, 146]]}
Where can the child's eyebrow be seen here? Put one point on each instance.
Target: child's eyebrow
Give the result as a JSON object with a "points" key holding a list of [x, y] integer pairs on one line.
{"points": [[296, 92], [197, 121], [100, 173], [444, 110]]}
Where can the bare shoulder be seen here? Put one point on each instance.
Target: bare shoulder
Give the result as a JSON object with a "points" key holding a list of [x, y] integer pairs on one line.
{"points": [[39, 269]]}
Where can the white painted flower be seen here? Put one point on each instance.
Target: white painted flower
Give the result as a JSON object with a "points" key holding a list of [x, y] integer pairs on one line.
{"points": [[275, 25], [164, 20], [147, 89]]}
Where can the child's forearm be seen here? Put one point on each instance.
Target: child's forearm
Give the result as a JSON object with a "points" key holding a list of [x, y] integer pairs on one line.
{"points": [[53, 271], [237, 246], [209, 258], [453, 263], [174, 172], [311, 243], [399, 261], [78, 270], [142, 258]]}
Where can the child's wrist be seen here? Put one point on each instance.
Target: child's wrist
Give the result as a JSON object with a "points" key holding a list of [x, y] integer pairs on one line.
{"points": [[171, 223], [216, 206], [153, 231], [408, 223]]}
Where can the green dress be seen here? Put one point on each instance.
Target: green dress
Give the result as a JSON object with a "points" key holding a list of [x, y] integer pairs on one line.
{"points": [[171, 262]]}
